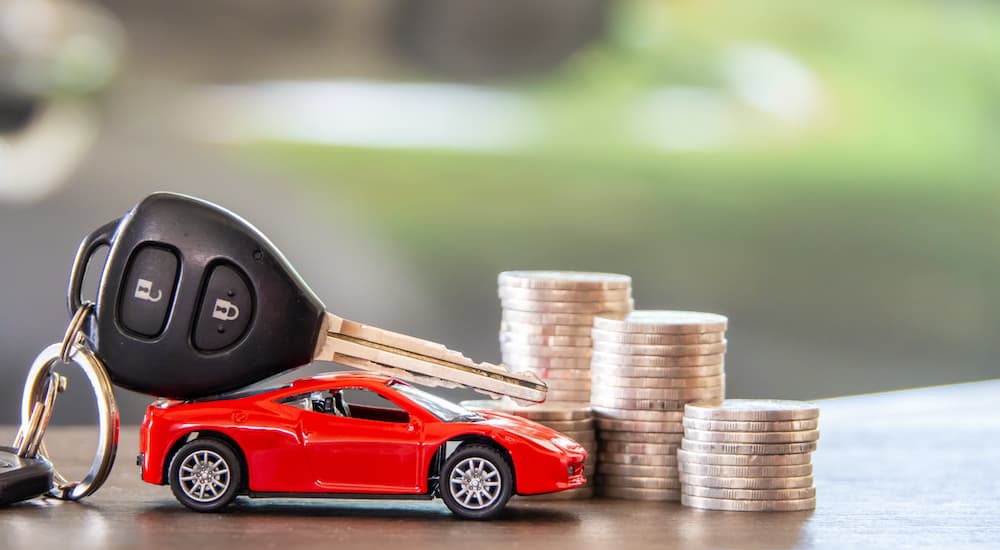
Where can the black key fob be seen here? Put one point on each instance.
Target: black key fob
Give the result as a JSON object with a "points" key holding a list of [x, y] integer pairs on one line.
{"points": [[22, 478], [194, 301]]}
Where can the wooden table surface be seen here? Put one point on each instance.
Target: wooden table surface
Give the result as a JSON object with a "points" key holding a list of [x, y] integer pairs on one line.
{"points": [[908, 469]]}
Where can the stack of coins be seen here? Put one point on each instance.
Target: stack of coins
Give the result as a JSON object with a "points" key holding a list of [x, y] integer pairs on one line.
{"points": [[645, 368], [749, 455], [574, 421], [547, 318]]}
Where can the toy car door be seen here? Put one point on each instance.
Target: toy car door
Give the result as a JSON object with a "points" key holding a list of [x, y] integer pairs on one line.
{"points": [[361, 442]]}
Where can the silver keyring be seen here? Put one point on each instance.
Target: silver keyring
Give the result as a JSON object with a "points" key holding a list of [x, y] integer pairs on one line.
{"points": [[29, 436], [107, 414]]}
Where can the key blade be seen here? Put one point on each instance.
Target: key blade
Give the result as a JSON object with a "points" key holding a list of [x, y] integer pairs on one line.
{"points": [[421, 361]]}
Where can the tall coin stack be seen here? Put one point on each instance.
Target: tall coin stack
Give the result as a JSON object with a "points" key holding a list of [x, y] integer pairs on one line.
{"points": [[547, 318], [575, 421], [644, 369], [749, 455], [546, 324]]}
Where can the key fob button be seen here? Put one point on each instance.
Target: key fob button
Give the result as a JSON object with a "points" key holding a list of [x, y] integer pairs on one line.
{"points": [[226, 309], [148, 290]]}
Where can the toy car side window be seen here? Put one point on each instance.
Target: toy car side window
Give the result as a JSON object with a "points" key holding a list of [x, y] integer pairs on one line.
{"points": [[366, 404], [317, 401]]}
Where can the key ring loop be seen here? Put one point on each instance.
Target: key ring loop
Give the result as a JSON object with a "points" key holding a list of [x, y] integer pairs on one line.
{"points": [[29, 435], [107, 411], [73, 330]]}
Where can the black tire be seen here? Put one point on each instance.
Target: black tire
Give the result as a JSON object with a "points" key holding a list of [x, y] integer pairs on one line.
{"points": [[467, 480], [216, 472]]}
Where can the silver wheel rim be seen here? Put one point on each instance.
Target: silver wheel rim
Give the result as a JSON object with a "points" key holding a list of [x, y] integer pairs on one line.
{"points": [[204, 476], [475, 483]]}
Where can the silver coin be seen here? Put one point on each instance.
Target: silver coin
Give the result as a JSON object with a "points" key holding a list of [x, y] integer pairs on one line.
{"points": [[632, 459], [548, 330], [567, 395], [580, 493], [748, 448], [638, 482], [790, 470], [657, 339], [644, 416], [600, 379], [568, 384], [526, 361], [695, 457], [591, 308], [748, 482], [531, 317], [606, 358], [752, 437], [541, 412], [737, 426], [625, 447], [748, 505], [665, 351], [559, 373], [633, 493], [572, 280], [544, 340], [658, 393], [642, 437], [666, 322], [754, 410], [606, 424], [582, 425], [637, 404], [545, 351], [602, 400], [620, 371], [610, 468], [563, 295], [750, 494]]}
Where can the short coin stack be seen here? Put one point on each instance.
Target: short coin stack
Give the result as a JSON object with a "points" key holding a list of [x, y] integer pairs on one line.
{"points": [[547, 318], [574, 421], [749, 455], [645, 368]]}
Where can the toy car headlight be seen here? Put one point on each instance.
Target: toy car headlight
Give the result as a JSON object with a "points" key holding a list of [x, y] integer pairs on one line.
{"points": [[545, 443]]}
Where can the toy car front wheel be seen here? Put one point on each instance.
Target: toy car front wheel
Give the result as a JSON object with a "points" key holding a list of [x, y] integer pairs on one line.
{"points": [[205, 475], [478, 482]]}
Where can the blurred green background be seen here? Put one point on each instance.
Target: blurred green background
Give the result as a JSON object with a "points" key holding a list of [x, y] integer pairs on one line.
{"points": [[826, 176]]}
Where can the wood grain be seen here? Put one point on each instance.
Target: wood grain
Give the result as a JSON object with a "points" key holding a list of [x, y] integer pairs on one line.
{"points": [[916, 469]]}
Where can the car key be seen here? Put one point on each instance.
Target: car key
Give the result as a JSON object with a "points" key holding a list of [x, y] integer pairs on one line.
{"points": [[194, 301], [24, 474], [22, 478]]}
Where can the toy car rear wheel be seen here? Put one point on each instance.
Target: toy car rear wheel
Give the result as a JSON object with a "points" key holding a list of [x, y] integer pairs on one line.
{"points": [[205, 475], [477, 482]]}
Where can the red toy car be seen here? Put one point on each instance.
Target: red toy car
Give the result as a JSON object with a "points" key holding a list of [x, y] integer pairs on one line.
{"points": [[351, 435]]}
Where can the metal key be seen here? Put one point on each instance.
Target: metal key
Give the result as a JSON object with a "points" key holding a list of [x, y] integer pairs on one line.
{"points": [[194, 301]]}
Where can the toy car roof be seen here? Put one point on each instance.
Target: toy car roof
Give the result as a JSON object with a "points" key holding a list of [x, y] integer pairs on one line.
{"points": [[345, 376]]}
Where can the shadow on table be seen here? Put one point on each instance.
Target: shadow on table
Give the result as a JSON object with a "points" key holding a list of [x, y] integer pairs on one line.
{"points": [[354, 509]]}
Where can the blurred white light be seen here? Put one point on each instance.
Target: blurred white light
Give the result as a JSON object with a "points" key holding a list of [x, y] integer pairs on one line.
{"points": [[684, 118], [37, 160], [361, 113], [774, 82]]}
